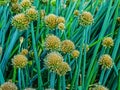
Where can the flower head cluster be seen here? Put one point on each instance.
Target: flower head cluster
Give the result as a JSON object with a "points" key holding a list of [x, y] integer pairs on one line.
{"points": [[75, 53], [76, 13], [52, 61], [14, 1], [24, 52], [60, 20], [106, 61], [32, 14], [42, 14], [67, 46], [86, 18], [107, 42], [15, 8], [63, 68], [61, 26], [20, 21], [19, 61], [8, 86], [25, 4], [51, 21], [52, 42]]}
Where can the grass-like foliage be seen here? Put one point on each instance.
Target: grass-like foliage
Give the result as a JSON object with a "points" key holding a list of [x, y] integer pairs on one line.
{"points": [[59, 44]]}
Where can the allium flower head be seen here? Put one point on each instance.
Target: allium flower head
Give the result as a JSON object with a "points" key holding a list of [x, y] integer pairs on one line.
{"points": [[25, 4], [67, 46], [75, 53], [76, 13], [86, 18], [106, 61], [108, 42], [19, 61], [32, 14], [52, 42], [20, 21], [15, 8], [51, 21], [60, 20], [63, 68], [24, 52], [8, 86], [61, 26], [52, 61]]}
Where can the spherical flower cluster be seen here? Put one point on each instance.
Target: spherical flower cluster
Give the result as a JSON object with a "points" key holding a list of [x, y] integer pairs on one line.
{"points": [[26, 4], [19, 61], [29, 89], [15, 8], [51, 21], [75, 53], [67, 46], [14, 1], [63, 68], [20, 21], [60, 20], [42, 14], [61, 26], [24, 52], [86, 18], [106, 61], [108, 42], [87, 47], [76, 13], [52, 42], [52, 61], [9, 86], [32, 14]]}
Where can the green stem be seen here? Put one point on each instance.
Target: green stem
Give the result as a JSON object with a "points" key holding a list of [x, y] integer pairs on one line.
{"points": [[59, 83], [102, 76], [36, 58], [14, 74], [52, 80]]}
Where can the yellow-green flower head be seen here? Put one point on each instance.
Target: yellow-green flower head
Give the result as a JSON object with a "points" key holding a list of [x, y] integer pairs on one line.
{"points": [[15, 8], [19, 61], [51, 21], [32, 14], [24, 52], [67, 46], [31, 1], [61, 26], [3, 2], [29, 89], [76, 12], [98, 87], [106, 61], [86, 18], [75, 53], [20, 21], [53, 2], [25, 4], [53, 60], [60, 20], [14, 1], [42, 14], [0, 50], [8, 86], [108, 42], [52, 42], [63, 68]]}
